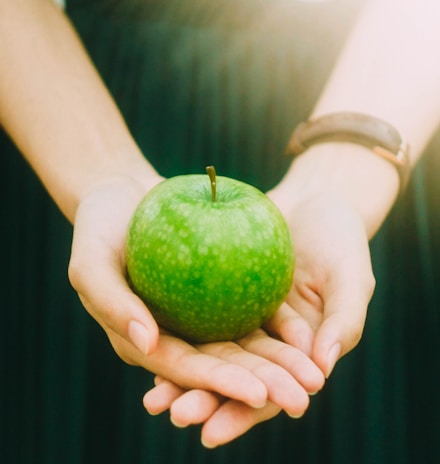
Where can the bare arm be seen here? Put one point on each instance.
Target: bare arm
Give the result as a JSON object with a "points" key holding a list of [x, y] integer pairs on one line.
{"points": [[336, 196], [60, 115], [388, 69], [56, 109]]}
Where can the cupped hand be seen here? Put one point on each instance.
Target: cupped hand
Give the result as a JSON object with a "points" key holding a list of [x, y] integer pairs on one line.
{"points": [[288, 373], [327, 306], [257, 371], [323, 317]]}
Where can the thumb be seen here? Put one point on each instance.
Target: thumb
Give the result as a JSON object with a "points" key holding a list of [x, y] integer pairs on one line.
{"points": [[97, 266], [345, 312], [104, 291]]}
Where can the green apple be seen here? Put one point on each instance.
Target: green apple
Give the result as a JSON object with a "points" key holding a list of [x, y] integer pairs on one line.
{"points": [[211, 257]]}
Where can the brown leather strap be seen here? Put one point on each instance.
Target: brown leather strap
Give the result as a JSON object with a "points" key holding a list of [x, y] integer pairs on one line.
{"points": [[379, 136]]}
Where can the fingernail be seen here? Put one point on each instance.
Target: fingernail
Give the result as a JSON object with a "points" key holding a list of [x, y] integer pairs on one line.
{"points": [[333, 356], [176, 424], [207, 445], [139, 336]]}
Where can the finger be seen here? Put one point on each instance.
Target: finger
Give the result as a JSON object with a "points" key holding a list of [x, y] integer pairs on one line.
{"points": [[97, 275], [97, 269], [194, 407], [186, 407], [292, 328], [158, 380], [160, 398], [294, 361], [232, 420], [344, 319], [283, 389], [189, 368], [114, 306]]}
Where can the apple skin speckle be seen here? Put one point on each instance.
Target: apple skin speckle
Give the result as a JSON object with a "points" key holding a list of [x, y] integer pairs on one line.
{"points": [[209, 271]]}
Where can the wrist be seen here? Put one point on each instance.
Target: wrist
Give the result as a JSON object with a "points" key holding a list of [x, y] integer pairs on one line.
{"points": [[128, 169], [362, 129], [346, 172]]}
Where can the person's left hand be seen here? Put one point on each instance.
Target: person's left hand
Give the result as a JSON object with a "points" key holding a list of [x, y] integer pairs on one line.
{"points": [[323, 316]]}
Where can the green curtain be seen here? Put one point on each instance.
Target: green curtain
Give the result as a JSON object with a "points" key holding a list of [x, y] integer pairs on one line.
{"points": [[219, 82]]}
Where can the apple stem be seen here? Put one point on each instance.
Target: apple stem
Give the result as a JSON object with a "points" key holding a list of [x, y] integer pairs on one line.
{"points": [[212, 177]]}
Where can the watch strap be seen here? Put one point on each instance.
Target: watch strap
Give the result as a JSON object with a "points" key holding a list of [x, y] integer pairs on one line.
{"points": [[373, 133]]}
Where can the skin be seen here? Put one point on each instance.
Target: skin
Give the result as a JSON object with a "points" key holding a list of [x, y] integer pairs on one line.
{"points": [[88, 161], [344, 190], [328, 299], [95, 172]]}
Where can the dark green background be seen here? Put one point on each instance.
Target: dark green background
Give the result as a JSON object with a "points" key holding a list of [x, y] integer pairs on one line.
{"points": [[218, 82]]}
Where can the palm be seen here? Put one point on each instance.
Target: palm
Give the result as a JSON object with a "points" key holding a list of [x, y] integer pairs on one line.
{"points": [[253, 371], [333, 279], [326, 305]]}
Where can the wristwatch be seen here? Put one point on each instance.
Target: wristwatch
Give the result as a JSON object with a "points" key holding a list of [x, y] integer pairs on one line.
{"points": [[377, 135]]}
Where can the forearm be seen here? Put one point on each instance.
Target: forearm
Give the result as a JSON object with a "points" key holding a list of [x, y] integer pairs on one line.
{"points": [[388, 69], [55, 107]]}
